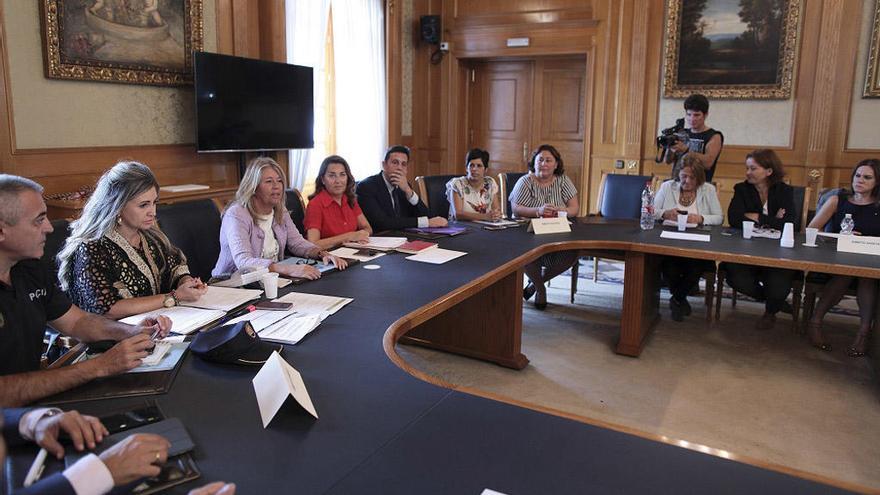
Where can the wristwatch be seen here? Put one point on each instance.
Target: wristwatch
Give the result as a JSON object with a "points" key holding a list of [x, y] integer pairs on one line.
{"points": [[170, 300]]}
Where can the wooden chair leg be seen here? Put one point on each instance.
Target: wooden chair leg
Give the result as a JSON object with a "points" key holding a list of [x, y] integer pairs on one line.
{"points": [[574, 277], [595, 270], [720, 290], [797, 289], [710, 295]]}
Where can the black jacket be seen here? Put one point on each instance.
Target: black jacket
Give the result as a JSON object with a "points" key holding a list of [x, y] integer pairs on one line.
{"points": [[746, 200], [373, 197]]}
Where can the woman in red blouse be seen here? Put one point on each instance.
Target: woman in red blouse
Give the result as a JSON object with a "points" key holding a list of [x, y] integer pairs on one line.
{"points": [[333, 215]]}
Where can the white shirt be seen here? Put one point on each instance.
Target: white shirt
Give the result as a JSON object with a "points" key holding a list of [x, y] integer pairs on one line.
{"points": [[270, 244], [88, 476], [413, 200]]}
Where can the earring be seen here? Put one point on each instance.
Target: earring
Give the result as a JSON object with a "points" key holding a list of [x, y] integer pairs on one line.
{"points": [[119, 220]]}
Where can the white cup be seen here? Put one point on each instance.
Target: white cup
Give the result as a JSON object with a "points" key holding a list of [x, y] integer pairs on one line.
{"points": [[682, 222], [562, 214], [811, 236], [787, 239], [270, 285], [748, 227]]}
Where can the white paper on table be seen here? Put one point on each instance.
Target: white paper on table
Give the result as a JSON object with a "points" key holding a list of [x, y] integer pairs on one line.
{"points": [[666, 234], [489, 491], [262, 318], [274, 383], [184, 320], [436, 256], [673, 223], [314, 304], [379, 243], [349, 252], [830, 234], [224, 298], [290, 330], [498, 223], [859, 244]]}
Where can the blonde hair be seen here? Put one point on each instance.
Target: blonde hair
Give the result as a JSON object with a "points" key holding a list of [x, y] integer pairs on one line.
{"points": [[251, 180], [696, 166]]}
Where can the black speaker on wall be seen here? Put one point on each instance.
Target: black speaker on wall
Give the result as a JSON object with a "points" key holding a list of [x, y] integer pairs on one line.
{"points": [[431, 29]]}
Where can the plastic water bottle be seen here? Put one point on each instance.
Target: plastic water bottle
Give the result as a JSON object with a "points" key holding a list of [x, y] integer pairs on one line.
{"points": [[847, 225], [646, 221]]}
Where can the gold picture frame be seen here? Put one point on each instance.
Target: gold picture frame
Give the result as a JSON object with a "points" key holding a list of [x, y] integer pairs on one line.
{"points": [[121, 41], [750, 59], [872, 75]]}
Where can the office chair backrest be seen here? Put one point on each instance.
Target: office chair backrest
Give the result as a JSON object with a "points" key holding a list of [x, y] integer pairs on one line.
{"points": [[506, 181], [54, 243], [432, 190], [823, 198], [620, 196], [294, 203], [194, 227], [802, 206]]}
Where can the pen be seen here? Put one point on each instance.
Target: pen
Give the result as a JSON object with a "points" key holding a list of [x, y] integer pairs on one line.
{"points": [[247, 309], [36, 469]]}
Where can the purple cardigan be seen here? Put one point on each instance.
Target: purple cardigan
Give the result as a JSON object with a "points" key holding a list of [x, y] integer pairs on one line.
{"points": [[241, 241]]}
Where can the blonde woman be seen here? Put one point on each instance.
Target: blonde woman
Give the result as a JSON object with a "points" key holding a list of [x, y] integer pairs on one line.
{"points": [[257, 230]]}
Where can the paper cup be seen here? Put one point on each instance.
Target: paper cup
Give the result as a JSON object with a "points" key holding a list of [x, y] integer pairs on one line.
{"points": [[562, 214], [682, 222], [811, 236], [270, 285], [748, 227]]}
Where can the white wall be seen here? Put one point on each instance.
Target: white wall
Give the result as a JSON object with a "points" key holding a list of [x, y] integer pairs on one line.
{"points": [[864, 124]]}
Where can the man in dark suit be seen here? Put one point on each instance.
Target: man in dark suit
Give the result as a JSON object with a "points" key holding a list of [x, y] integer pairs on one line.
{"points": [[388, 201]]}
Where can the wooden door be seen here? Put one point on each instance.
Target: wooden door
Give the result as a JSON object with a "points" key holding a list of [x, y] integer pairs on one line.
{"points": [[520, 104], [500, 122]]}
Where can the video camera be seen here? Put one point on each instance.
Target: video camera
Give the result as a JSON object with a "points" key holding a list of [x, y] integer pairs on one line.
{"points": [[668, 137]]}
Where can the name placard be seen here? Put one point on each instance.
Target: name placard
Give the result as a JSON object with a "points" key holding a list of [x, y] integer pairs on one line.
{"points": [[860, 244], [551, 225]]}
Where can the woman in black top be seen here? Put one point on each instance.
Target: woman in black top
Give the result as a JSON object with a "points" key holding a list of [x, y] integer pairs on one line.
{"points": [[863, 203], [764, 199]]}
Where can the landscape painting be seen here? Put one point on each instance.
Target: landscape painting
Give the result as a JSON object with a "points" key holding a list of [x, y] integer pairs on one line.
{"points": [[731, 48], [128, 41]]}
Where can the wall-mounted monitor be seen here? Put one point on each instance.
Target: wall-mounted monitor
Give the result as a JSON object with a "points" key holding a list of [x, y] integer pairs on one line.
{"points": [[244, 104]]}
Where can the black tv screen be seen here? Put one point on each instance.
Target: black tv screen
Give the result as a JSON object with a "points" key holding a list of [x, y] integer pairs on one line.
{"points": [[244, 104]]}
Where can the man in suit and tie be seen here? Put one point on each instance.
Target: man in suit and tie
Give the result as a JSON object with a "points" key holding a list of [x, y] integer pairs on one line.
{"points": [[388, 201]]}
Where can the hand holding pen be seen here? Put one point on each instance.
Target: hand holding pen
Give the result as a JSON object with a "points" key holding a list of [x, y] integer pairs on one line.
{"points": [[190, 289]]}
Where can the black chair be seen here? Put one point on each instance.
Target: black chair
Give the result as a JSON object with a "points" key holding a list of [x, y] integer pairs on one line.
{"points": [[194, 227], [432, 190], [506, 181], [620, 196], [54, 243], [294, 203]]}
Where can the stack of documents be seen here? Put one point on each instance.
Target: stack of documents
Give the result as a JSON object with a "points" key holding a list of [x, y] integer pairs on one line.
{"points": [[184, 320], [378, 243], [224, 298], [290, 330], [314, 304], [436, 256], [501, 222], [362, 254]]}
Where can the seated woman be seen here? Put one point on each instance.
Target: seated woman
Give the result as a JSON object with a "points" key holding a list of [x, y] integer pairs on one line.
{"points": [[333, 215], [257, 229], [116, 261], [544, 192], [863, 203], [764, 199], [474, 196], [690, 193]]}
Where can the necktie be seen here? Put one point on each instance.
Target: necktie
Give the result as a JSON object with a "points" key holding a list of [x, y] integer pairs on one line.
{"points": [[395, 203]]}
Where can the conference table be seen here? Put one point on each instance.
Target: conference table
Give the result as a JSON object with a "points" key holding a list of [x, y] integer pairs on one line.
{"points": [[386, 428]]}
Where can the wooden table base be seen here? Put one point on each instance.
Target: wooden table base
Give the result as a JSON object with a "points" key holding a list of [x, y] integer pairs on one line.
{"points": [[641, 298]]}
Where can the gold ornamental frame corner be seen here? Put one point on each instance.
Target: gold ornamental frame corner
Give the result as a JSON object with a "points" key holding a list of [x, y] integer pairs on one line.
{"points": [[780, 90], [114, 72], [872, 75]]}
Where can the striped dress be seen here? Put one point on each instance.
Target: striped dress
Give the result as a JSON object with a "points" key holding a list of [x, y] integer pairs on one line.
{"points": [[527, 192]]}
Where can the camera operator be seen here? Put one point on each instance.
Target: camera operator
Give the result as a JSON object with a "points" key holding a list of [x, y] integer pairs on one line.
{"points": [[702, 142]]}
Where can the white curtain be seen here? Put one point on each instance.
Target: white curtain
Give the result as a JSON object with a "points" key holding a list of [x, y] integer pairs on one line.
{"points": [[306, 33], [359, 64]]}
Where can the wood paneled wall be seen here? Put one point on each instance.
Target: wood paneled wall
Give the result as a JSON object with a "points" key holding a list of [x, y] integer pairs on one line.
{"points": [[623, 44], [251, 29]]}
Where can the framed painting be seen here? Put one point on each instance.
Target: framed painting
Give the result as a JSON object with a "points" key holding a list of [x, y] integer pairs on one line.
{"points": [[872, 77], [122, 41], [731, 49]]}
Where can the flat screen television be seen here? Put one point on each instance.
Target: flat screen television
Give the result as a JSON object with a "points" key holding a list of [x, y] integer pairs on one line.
{"points": [[244, 104]]}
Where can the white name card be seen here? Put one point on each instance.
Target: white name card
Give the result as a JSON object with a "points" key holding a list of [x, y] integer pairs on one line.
{"points": [[860, 244], [551, 225], [274, 383]]}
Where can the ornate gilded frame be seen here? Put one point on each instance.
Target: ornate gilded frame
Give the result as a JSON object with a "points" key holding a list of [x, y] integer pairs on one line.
{"points": [[872, 76], [58, 65], [781, 89]]}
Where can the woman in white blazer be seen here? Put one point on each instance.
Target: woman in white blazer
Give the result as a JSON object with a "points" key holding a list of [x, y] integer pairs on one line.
{"points": [[690, 193]]}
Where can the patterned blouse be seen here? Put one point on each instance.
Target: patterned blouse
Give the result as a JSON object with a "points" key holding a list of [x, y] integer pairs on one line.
{"points": [[527, 192], [109, 269], [473, 200]]}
